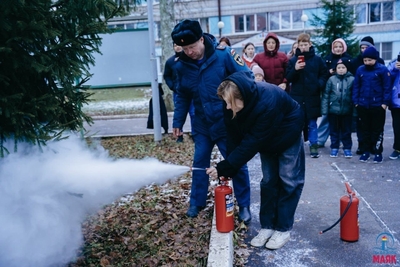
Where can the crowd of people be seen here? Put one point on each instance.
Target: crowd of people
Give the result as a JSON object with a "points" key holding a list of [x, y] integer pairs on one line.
{"points": [[269, 103]]}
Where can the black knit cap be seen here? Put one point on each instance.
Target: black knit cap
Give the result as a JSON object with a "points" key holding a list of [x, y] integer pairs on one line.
{"points": [[343, 61], [187, 32], [367, 40], [371, 52]]}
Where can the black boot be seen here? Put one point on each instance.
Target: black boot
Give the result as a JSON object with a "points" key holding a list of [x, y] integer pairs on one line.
{"points": [[244, 215]]}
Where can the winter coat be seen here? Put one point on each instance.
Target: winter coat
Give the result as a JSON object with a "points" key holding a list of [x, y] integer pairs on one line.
{"points": [[336, 98], [372, 86], [395, 85], [270, 121], [200, 83], [170, 76], [308, 83], [273, 63]]}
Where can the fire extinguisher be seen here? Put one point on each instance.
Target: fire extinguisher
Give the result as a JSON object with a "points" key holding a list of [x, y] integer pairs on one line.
{"points": [[224, 207], [349, 224]]}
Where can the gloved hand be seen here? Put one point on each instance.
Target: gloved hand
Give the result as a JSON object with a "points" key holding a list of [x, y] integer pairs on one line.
{"points": [[224, 168]]}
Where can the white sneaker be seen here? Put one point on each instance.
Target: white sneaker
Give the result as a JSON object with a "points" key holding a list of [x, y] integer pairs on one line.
{"points": [[278, 239], [262, 237]]}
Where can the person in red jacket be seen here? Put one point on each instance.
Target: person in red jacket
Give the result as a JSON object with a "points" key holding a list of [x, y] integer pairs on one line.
{"points": [[272, 62]]}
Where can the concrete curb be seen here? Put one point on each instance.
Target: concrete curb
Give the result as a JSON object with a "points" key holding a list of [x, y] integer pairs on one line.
{"points": [[220, 252]]}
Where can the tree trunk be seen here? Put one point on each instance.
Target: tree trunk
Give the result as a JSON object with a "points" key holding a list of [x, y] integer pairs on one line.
{"points": [[167, 23]]}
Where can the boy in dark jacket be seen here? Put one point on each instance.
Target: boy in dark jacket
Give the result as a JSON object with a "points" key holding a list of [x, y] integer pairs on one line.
{"points": [[371, 96], [308, 78], [337, 106]]}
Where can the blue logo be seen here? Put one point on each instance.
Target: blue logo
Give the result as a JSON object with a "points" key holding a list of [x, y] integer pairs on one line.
{"points": [[384, 250]]}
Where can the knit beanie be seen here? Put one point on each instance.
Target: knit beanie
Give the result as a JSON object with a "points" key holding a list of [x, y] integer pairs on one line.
{"points": [[340, 40], [367, 40], [371, 52], [187, 32], [257, 70], [344, 62]]}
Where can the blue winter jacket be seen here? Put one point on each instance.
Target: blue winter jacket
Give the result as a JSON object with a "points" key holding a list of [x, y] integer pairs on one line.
{"points": [[372, 86], [200, 83], [270, 122], [395, 86]]}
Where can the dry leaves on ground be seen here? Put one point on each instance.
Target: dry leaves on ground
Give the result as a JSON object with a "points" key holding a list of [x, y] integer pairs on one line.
{"points": [[149, 227]]}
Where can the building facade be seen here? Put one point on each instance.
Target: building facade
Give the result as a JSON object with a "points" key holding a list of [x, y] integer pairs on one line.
{"points": [[238, 19]]}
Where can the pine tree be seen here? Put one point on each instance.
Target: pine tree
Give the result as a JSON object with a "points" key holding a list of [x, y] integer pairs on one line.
{"points": [[337, 22], [46, 46]]}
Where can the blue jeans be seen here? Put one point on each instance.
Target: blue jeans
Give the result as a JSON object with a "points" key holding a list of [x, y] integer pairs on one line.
{"points": [[281, 186], [312, 131], [323, 130], [203, 146]]}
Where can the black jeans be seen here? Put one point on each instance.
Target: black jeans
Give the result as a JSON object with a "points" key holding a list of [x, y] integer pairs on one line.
{"points": [[372, 121], [340, 130]]}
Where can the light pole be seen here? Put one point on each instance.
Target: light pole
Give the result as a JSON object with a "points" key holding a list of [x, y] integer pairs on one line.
{"points": [[304, 19], [220, 25]]}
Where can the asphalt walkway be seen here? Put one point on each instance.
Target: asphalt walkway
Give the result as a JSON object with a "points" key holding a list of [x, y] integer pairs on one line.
{"points": [[377, 187]]}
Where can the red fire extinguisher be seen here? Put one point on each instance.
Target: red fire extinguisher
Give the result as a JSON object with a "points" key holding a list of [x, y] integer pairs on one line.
{"points": [[349, 226], [224, 207]]}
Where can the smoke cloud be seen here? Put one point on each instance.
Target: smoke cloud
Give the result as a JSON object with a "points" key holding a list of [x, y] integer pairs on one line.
{"points": [[45, 196]]}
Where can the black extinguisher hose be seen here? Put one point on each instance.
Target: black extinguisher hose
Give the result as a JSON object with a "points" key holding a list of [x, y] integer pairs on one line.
{"points": [[341, 217]]}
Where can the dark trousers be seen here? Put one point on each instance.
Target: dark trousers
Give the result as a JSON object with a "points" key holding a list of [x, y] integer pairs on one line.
{"points": [[340, 130], [372, 121], [396, 127], [281, 186]]}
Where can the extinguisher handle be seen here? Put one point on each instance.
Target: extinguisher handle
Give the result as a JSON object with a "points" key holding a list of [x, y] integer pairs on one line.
{"points": [[222, 180], [348, 188]]}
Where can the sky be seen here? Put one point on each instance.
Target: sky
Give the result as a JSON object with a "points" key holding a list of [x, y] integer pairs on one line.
{"points": [[45, 196]]}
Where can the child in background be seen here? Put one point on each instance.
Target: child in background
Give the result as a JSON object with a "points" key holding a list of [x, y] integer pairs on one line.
{"points": [[258, 73], [371, 96], [337, 106], [249, 52], [308, 74]]}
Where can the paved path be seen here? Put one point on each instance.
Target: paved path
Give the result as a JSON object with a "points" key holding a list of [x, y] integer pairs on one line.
{"points": [[377, 186]]}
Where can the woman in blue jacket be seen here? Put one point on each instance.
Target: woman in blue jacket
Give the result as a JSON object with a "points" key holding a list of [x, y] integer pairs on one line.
{"points": [[262, 118]]}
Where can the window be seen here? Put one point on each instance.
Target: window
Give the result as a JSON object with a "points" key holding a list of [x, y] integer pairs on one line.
{"points": [[239, 23], [249, 23], [381, 12], [285, 20], [386, 50], [261, 22], [360, 13]]}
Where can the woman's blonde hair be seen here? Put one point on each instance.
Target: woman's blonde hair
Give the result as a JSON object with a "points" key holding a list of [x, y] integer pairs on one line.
{"points": [[229, 91]]}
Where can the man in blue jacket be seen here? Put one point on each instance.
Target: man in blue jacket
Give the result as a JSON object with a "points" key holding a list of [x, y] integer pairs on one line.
{"points": [[200, 69]]}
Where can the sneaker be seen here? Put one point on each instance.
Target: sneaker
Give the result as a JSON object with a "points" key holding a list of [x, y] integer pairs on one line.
{"points": [[314, 151], [278, 239], [364, 157], [395, 154], [347, 153], [378, 158], [262, 237], [193, 211], [179, 139], [334, 152]]}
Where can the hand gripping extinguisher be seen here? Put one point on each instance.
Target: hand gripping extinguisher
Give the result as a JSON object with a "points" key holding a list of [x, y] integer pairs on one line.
{"points": [[349, 226], [224, 207]]}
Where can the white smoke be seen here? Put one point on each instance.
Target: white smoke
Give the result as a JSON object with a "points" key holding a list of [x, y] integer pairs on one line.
{"points": [[45, 196]]}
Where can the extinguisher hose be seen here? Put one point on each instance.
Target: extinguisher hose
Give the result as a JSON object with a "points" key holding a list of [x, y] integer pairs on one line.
{"points": [[341, 217]]}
